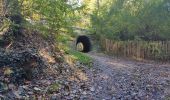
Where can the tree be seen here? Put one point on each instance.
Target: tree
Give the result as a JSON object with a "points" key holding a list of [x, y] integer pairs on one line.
{"points": [[132, 19]]}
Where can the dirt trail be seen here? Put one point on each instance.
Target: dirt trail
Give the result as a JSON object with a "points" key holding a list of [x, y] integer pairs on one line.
{"points": [[113, 79], [108, 79]]}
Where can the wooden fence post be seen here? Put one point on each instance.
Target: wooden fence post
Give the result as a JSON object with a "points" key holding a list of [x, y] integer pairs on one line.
{"points": [[138, 49]]}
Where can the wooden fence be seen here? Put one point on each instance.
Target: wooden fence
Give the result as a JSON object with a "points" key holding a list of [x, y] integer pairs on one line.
{"points": [[1, 7], [149, 50]]}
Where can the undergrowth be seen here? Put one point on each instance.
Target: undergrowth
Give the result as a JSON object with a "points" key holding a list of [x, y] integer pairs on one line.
{"points": [[84, 59]]}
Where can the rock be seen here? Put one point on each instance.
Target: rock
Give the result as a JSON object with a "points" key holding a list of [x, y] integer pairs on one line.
{"points": [[11, 86], [21, 90], [74, 91], [2, 97], [141, 93], [45, 82], [66, 93], [92, 89], [80, 90], [72, 96], [100, 87], [133, 94], [113, 98], [54, 97], [133, 83], [3, 87], [25, 87], [30, 93], [13, 95], [37, 89], [84, 93]]}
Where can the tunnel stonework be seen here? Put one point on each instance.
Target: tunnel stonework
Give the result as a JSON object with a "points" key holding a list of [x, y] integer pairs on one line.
{"points": [[85, 40]]}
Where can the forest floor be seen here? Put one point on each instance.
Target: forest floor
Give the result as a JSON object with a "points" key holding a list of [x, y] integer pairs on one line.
{"points": [[109, 79]]}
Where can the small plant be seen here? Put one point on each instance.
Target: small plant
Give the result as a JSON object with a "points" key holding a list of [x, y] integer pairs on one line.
{"points": [[53, 87]]}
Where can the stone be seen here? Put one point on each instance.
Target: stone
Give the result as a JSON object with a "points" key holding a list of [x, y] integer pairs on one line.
{"points": [[92, 89], [66, 94], [84, 93], [74, 91], [113, 98], [141, 93], [37, 89], [21, 90], [54, 97], [14, 95], [30, 93], [100, 88], [3, 87], [11, 86]]}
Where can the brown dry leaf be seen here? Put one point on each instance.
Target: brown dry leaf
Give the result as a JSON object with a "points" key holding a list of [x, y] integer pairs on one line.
{"points": [[8, 71]]}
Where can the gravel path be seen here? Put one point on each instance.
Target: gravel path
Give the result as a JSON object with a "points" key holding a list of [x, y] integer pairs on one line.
{"points": [[108, 79], [113, 79]]}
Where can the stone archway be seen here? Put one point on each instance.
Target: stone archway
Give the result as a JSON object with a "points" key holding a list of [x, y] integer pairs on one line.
{"points": [[83, 44]]}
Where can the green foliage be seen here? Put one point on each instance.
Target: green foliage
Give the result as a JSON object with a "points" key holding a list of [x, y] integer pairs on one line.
{"points": [[49, 16], [132, 19], [84, 59], [12, 7], [54, 87], [64, 38], [4, 24]]}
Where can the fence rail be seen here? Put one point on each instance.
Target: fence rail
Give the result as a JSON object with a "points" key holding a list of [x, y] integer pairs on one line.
{"points": [[149, 50], [1, 7]]}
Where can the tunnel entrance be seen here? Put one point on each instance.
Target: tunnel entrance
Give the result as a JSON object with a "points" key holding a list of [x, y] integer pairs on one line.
{"points": [[83, 44]]}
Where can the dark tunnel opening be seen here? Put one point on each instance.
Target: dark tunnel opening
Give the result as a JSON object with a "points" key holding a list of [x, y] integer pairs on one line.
{"points": [[86, 43]]}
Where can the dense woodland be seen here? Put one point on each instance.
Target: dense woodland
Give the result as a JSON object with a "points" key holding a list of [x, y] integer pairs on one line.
{"points": [[116, 19], [132, 19]]}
